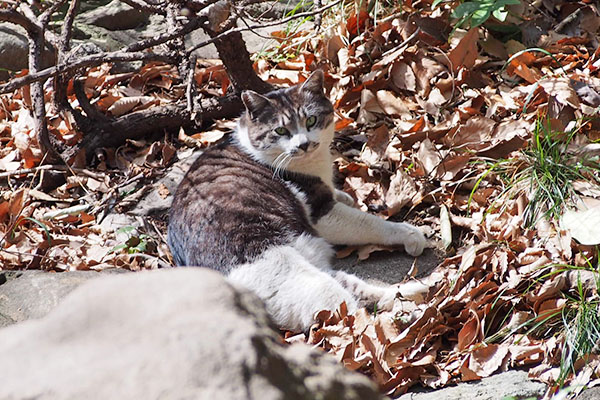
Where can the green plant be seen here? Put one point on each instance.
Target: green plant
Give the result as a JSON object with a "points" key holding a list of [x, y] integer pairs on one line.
{"points": [[545, 172], [476, 12], [136, 243], [581, 327]]}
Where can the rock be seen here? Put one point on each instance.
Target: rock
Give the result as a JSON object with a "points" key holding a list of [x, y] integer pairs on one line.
{"points": [[387, 267], [14, 49], [513, 384], [115, 16], [180, 333], [589, 394], [33, 294]]}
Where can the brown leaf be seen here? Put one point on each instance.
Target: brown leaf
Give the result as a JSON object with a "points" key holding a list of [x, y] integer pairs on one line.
{"points": [[469, 332], [562, 90], [402, 192], [487, 359], [403, 76], [465, 53]]}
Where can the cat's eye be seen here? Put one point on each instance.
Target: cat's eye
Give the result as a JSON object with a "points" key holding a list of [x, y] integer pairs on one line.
{"points": [[311, 121], [282, 131]]}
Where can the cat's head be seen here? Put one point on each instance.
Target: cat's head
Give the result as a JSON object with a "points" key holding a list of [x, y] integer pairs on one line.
{"points": [[287, 125]]}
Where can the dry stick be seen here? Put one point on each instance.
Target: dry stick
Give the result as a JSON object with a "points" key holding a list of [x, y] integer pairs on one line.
{"points": [[49, 36], [57, 168], [44, 18], [319, 16], [265, 25], [144, 6], [198, 5], [36, 43], [64, 44], [191, 91]]}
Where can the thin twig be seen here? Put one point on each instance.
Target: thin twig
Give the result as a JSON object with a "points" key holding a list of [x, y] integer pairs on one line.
{"points": [[191, 90], [55, 168], [144, 6], [319, 16], [64, 44], [44, 18]]}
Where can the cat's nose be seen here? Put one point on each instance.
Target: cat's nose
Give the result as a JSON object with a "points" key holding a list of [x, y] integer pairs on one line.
{"points": [[303, 146]]}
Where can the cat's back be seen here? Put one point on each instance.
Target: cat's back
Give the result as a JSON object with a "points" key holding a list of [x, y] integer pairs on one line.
{"points": [[229, 208]]}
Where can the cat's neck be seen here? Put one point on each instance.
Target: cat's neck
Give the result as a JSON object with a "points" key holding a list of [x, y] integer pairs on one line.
{"points": [[318, 163]]}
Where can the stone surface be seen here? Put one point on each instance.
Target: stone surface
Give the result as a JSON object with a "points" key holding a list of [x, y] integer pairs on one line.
{"points": [[496, 387], [115, 16], [389, 267], [170, 334], [590, 394], [33, 294], [14, 50]]}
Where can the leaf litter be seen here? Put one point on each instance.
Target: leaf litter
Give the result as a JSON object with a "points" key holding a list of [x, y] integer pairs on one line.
{"points": [[423, 119]]}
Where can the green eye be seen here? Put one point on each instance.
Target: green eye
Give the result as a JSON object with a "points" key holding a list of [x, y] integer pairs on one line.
{"points": [[311, 121], [282, 131]]}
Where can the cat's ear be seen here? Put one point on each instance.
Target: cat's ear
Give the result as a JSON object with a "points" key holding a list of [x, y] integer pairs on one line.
{"points": [[254, 102], [314, 83]]}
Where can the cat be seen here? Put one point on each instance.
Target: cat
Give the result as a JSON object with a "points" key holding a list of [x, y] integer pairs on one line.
{"points": [[261, 208]]}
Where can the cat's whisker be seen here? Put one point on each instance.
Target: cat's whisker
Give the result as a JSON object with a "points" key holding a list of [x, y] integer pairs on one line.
{"points": [[275, 163], [281, 161]]}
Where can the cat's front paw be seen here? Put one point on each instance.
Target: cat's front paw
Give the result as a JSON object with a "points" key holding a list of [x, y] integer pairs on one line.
{"points": [[411, 237]]}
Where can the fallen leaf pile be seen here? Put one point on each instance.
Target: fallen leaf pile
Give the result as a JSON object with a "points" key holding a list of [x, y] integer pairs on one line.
{"points": [[424, 113]]}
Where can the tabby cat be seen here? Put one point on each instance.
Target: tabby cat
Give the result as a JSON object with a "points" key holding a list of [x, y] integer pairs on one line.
{"points": [[261, 208]]}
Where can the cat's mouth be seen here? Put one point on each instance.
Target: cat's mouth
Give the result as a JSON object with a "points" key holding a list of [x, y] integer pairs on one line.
{"points": [[304, 153]]}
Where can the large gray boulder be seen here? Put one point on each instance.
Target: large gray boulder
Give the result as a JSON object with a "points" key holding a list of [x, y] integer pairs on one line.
{"points": [[167, 334], [115, 16], [14, 49]]}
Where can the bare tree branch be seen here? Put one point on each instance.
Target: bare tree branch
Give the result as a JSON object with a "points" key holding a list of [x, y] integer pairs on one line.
{"points": [[36, 44], [156, 119], [44, 18], [64, 44]]}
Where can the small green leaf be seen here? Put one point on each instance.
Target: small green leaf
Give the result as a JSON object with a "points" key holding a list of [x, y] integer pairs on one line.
{"points": [[44, 227], [118, 247], [126, 229], [500, 14]]}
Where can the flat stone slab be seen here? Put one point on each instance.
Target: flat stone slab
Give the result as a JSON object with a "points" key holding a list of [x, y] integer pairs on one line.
{"points": [[511, 384]]}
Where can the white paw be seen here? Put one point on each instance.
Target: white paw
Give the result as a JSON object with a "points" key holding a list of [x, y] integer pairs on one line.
{"points": [[411, 237], [344, 198]]}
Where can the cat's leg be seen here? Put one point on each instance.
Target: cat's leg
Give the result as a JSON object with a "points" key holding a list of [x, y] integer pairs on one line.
{"points": [[292, 288], [319, 253], [350, 226]]}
